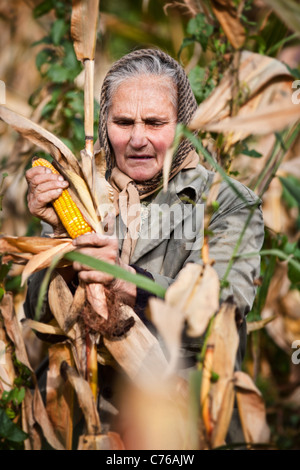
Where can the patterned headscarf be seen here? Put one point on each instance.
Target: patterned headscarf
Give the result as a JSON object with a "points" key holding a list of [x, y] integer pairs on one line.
{"points": [[187, 106], [128, 192]]}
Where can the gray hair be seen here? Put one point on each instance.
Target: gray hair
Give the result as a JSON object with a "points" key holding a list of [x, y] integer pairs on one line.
{"points": [[150, 65], [160, 64]]}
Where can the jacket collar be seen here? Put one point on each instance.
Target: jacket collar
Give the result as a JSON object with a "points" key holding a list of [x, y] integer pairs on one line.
{"points": [[161, 223]]}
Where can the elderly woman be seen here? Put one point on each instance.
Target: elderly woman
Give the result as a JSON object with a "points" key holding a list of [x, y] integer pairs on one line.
{"points": [[144, 95]]}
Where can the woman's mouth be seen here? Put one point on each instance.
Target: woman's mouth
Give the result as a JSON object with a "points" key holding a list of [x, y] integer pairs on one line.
{"points": [[140, 157]]}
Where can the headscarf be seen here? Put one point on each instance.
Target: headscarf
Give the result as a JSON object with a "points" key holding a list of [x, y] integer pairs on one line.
{"points": [[132, 192]]}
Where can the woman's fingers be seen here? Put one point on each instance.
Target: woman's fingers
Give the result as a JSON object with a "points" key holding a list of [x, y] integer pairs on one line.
{"points": [[91, 277], [98, 247], [95, 240], [43, 188]]}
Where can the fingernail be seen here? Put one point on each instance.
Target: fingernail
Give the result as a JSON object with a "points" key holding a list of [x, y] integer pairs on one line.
{"points": [[59, 190], [60, 178], [48, 170]]}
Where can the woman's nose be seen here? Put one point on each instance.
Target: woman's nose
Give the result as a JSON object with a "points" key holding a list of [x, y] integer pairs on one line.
{"points": [[138, 136]]}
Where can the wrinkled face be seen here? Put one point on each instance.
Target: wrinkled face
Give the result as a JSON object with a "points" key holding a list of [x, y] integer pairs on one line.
{"points": [[141, 125]]}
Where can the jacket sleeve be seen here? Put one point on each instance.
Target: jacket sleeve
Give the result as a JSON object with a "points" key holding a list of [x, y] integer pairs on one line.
{"points": [[226, 231]]}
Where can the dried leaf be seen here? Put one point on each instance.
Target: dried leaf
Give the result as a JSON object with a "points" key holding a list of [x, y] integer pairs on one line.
{"points": [[9, 244], [138, 351], [169, 322], [41, 417], [96, 296], [41, 137], [14, 332], [20, 258], [44, 259], [77, 305], [258, 325], [109, 441], [272, 118], [60, 395], [85, 398], [195, 292], [60, 301], [7, 370], [167, 166], [43, 327], [86, 166], [102, 191], [227, 15], [13, 329], [84, 27], [204, 302], [257, 75], [34, 441], [182, 289], [251, 409], [224, 340], [79, 186], [224, 415]]}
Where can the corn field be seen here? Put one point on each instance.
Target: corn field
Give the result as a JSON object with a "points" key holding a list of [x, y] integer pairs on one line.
{"points": [[242, 58]]}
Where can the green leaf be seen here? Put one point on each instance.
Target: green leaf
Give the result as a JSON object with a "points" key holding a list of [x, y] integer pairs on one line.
{"points": [[264, 288], [44, 40], [43, 8], [292, 187], [185, 43], [250, 152], [293, 274], [4, 269], [10, 430], [44, 56], [281, 43], [294, 72], [197, 80], [2, 292], [70, 60], [200, 29], [58, 74], [58, 30], [17, 395], [48, 109], [140, 281]]}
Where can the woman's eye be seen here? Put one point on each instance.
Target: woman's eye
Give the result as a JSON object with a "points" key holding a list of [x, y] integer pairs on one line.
{"points": [[154, 123], [124, 123]]}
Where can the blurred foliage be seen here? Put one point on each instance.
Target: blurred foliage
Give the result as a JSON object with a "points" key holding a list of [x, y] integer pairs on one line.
{"points": [[11, 435]]}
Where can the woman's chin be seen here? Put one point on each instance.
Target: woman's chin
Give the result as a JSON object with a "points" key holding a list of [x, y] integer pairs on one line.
{"points": [[141, 175]]}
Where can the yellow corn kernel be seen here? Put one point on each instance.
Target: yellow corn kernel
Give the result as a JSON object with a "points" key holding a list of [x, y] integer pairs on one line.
{"points": [[66, 208]]}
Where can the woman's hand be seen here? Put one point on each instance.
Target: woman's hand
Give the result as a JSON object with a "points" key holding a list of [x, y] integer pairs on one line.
{"points": [[43, 188], [104, 248]]}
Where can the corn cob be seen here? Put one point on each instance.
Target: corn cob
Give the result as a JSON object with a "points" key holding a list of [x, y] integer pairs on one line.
{"points": [[66, 208]]}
